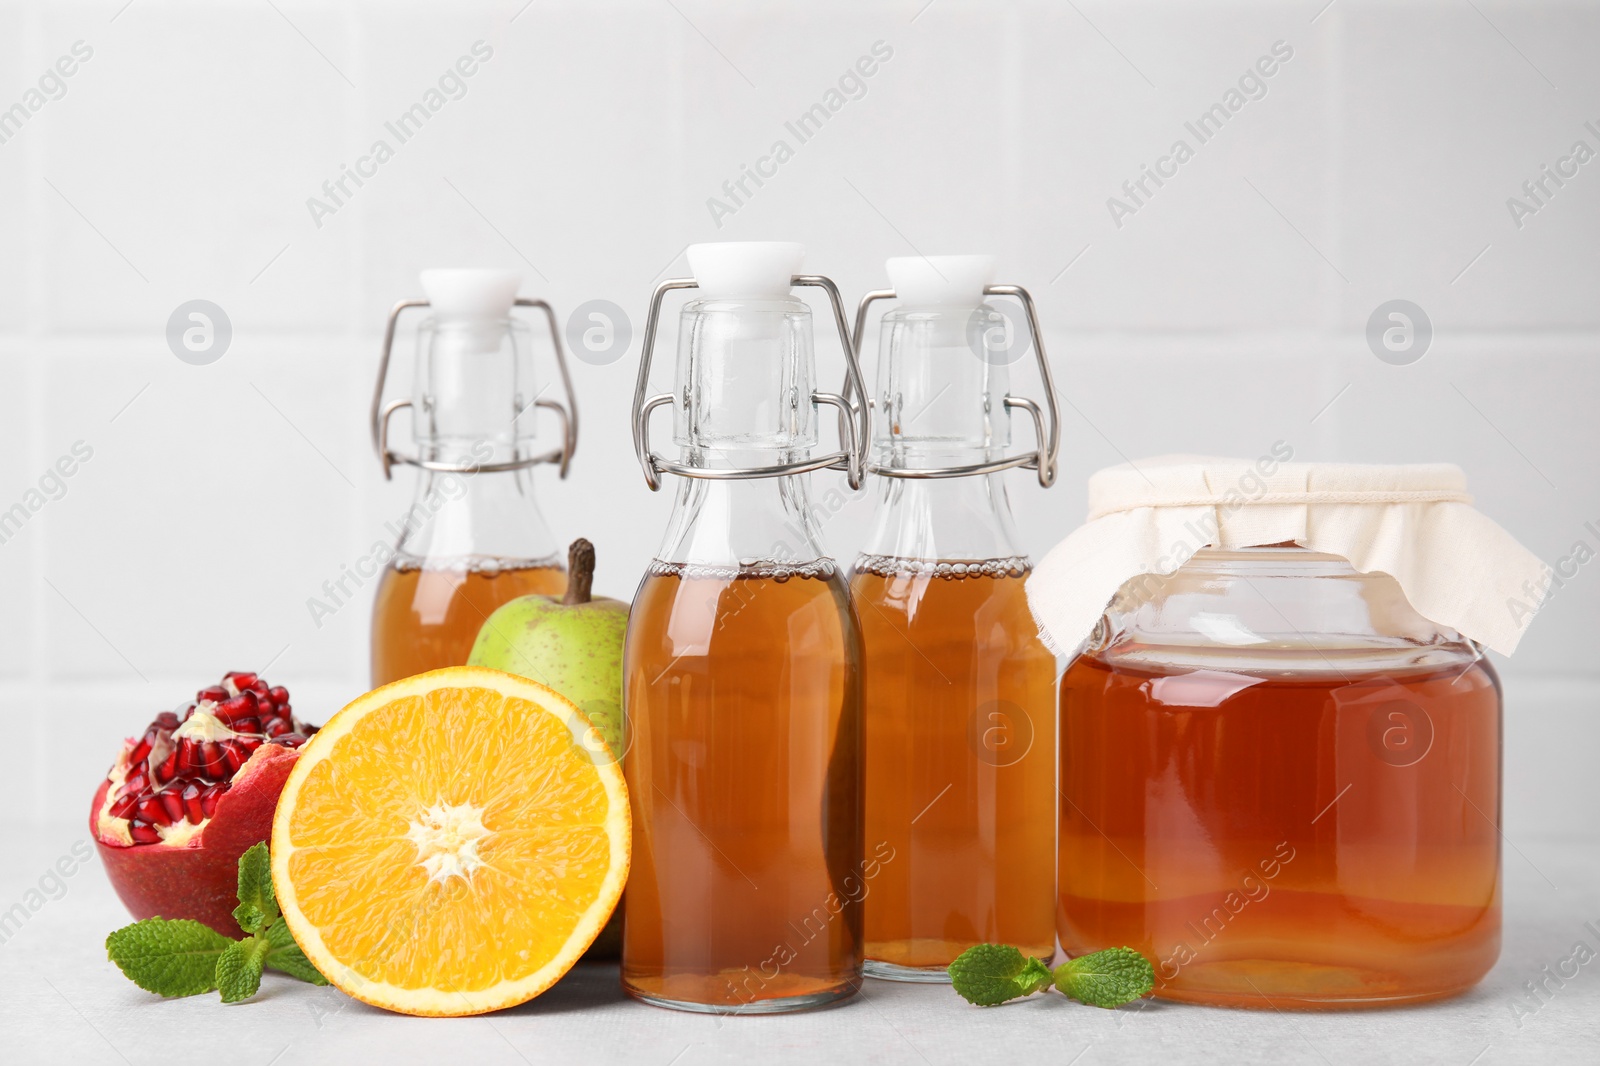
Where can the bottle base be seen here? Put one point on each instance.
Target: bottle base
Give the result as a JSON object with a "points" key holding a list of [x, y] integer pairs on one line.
{"points": [[1264, 985], [775, 1005], [889, 971], [1275, 1001]]}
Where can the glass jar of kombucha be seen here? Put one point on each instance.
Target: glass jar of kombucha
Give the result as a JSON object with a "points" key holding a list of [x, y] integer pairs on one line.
{"points": [[473, 537], [959, 692], [1279, 778], [742, 684]]}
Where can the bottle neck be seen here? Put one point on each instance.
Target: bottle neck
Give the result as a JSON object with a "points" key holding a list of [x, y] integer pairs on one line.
{"points": [[469, 519], [760, 525], [938, 520]]}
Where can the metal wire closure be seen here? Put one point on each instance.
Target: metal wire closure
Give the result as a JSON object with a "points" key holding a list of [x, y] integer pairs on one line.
{"points": [[854, 431], [1043, 459], [382, 412]]}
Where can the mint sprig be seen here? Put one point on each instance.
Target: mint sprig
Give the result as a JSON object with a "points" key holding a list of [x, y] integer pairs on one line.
{"points": [[181, 957], [1106, 978], [258, 907], [239, 969], [177, 958], [991, 974]]}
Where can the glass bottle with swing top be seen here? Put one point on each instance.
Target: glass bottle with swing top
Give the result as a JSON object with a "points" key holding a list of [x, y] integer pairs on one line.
{"points": [[959, 696], [473, 537], [742, 665]]}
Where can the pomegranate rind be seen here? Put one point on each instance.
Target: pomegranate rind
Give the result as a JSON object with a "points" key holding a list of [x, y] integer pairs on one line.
{"points": [[199, 879], [432, 1001]]}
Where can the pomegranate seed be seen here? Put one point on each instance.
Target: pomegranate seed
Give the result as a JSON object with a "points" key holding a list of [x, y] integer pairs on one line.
{"points": [[260, 689], [213, 763], [188, 756], [208, 798], [144, 833], [280, 695], [240, 706], [276, 727], [123, 806], [214, 693], [241, 679], [249, 743], [142, 750], [172, 803], [135, 782], [191, 804], [246, 725], [167, 770], [289, 740], [167, 720], [234, 754], [151, 810]]}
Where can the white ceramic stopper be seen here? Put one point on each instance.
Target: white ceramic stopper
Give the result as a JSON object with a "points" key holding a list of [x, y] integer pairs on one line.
{"points": [[471, 293], [744, 269], [940, 280]]}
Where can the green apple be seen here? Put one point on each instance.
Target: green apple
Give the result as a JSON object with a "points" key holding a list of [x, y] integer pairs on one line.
{"points": [[572, 644]]}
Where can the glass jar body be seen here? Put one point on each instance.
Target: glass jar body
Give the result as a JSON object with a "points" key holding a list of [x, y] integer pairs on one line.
{"points": [[1282, 784]]}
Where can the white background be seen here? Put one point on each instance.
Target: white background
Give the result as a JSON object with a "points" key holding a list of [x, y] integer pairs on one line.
{"points": [[1226, 314]]}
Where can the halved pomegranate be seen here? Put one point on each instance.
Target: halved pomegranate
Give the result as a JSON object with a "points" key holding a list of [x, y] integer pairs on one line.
{"points": [[193, 793]]}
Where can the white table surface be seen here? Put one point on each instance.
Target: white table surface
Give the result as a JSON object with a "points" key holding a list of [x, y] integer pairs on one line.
{"points": [[62, 1001]]}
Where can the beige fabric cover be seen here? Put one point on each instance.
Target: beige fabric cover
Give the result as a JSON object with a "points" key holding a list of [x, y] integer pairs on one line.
{"points": [[1415, 523]]}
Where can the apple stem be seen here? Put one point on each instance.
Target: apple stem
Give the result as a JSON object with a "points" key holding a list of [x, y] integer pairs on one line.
{"points": [[580, 572]]}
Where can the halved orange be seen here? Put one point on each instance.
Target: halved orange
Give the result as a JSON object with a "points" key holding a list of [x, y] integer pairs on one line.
{"points": [[451, 843]]}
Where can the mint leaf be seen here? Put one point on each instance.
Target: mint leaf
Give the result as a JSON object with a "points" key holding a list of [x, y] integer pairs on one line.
{"points": [[258, 907], [285, 956], [186, 958], [1107, 978], [169, 958], [989, 974], [239, 969]]}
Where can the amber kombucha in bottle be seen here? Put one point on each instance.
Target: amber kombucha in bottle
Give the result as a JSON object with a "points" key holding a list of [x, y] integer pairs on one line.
{"points": [[473, 538], [960, 763], [428, 612], [960, 695], [742, 688], [744, 887], [1277, 825]]}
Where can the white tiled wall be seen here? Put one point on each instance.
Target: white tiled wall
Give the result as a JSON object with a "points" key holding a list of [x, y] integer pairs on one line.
{"points": [[1225, 314]]}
